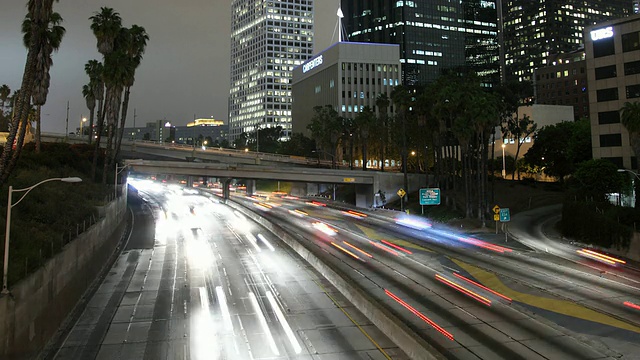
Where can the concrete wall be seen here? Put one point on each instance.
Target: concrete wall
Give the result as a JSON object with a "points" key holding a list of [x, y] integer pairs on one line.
{"points": [[39, 304], [393, 327]]}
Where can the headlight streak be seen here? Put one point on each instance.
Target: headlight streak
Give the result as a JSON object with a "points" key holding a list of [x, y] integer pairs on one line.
{"points": [[413, 223], [357, 248], [600, 257], [224, 307], [464, 290], [316, 203], [482, 287], [346, 251], [380, 246], [252, 239], [263, 322], [355, 214], [326, 229], [299, 213], [285, 325], [266, 242], [419, 314], [631, 305], [484, 244], [396, 247]]}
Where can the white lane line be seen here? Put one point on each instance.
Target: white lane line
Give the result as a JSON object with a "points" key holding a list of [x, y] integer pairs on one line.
{"points": [[264, 240], [263, 322], [204, 299], [226, 315], [285, 325]]}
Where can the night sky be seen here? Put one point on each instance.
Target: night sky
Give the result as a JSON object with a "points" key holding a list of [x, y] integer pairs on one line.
{"points": [[185, 70]]}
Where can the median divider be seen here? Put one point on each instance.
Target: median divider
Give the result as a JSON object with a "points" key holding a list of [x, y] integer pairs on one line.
{"points": [[393, 327]]}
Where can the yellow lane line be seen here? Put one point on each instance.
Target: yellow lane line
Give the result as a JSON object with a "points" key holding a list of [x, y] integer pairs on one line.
{"points": [[372, 234], [563, 307], [364, 332]]}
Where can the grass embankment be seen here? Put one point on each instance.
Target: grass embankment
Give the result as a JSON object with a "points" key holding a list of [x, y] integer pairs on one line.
{"points": [[53, 213]]}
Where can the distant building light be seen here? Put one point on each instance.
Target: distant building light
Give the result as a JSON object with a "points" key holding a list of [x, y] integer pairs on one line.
{"points": [[167, 124]]}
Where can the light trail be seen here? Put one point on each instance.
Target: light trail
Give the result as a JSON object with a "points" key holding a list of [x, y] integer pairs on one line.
{"points": [[396, 246], [346, 251], [357, 248], [464, 290], [419, 314], [482, 286]]}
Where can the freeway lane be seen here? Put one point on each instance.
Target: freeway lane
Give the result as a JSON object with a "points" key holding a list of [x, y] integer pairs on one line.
{"points": [[216, 286], [459, 326]]}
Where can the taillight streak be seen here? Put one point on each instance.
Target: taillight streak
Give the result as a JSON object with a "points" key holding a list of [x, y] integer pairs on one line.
{"points": [[384, 248], [396, 246], [632, 305], [485, 245], [346, 251], [481, 286], [419, 314], [357, 248], [602, 257], [464, 290]]}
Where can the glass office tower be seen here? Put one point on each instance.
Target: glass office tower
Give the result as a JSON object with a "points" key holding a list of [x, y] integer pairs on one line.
{"points": [[268, 39], [433, 35], [533, 30]]}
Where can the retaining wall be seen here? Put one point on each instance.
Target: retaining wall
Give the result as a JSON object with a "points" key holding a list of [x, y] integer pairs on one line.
{"points": [[40, 303]]}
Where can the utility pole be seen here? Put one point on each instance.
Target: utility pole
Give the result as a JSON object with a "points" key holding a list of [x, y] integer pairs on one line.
{"points": [[135, 131], [66, 132]]}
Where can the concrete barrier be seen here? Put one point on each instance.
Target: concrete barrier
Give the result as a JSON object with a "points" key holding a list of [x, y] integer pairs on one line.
{"points": [[394, 328], [41, 302]]}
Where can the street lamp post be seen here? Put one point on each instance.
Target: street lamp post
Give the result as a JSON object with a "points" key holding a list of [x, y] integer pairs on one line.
{"points": [[84, 120], [5, 287], [504, 172]]}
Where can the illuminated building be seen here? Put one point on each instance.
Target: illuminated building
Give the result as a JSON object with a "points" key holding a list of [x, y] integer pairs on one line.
{"points": [[268, 39]]}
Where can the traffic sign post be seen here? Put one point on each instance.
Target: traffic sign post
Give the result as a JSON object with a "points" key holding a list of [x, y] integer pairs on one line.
{"points": [[505, 217], [429, 196], [401, 193], [496, 216]]}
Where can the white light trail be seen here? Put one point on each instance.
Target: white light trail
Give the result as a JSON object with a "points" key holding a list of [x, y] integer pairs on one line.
{"points": [[264, 240], [226, 315], [285, 325], [263, 322]]}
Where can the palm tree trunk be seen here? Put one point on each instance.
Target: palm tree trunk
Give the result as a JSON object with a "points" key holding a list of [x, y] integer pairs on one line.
{"points": [[38, 122], [101, 111], [123, 119], [113, 108], [91, 113]]}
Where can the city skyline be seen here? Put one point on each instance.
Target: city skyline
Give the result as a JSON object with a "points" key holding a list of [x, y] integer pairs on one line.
{"points": [[176, 80]]}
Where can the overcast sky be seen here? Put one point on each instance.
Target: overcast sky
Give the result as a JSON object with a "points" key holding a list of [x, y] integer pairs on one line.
{"points": [[185, 70]]}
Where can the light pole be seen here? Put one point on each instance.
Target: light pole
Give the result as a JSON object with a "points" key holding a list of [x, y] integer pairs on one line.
{"points": [[504, 172], [5, 288], [633, 172], [115, 180], [84, 120]]}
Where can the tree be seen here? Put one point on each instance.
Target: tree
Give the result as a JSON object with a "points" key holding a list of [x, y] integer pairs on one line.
{"points": [[299, 145], [630, 118], [402, 98], [519, 129], [5, 91], [39, 11], [382, 105], [364, 121], [90, 99], [52, 35], [325, 128], [597, 178], [135, 43], [94, 70]]}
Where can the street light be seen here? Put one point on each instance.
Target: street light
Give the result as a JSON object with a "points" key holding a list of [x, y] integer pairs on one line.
{"points": [[5, 288], [84, 120], [504, 172], [633, 172]]}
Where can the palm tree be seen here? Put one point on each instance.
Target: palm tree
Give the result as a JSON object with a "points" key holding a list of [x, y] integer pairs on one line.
{"points": [[107, 26], [630, 119], [90, 99], [136, 44], [94, 69], [4, 95], [52, 36], [39, 11], [364, 121], [382, 103]]}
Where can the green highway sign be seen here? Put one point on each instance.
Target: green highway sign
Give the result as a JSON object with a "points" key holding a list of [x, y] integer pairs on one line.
{"points": [[430, 196], [505, 216]]}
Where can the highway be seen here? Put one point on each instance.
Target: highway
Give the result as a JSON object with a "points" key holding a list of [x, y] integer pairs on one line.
{"points": [[470, 298], [197, 280]]}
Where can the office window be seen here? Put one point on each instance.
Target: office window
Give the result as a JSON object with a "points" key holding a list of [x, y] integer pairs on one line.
{"points": [[633, 91], [632, 68], [603, 47], [631, 41], [610, 140], [608, 117], [605, 72], [616, 160], [607, 94]]}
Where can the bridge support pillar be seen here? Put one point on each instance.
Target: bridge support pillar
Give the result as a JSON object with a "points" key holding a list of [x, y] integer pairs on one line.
{"points": [[312, 188], [189, 181], [251, 187], [225, 188], [364, 195]]}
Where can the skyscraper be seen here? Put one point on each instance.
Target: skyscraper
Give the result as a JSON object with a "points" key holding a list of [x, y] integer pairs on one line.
{"points": [[433, 34], [533, 30], [268, 39]]}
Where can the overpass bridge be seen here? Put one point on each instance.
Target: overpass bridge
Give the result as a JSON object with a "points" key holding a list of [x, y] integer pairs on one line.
{"points": [[305, 181]]}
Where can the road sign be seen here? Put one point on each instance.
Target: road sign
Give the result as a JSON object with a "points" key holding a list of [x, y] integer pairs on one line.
{"points": [[348, 180], [496, 209], [505, 216], [401, 193], [430, 196], [496, 217]]}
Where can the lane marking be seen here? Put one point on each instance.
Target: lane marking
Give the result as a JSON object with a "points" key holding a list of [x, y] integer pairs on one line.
{"points": [[224, 307], [263, 322], [285, 325]]}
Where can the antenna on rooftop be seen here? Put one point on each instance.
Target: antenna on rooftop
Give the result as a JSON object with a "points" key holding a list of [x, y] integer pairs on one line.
{"points": [[339, 28]]}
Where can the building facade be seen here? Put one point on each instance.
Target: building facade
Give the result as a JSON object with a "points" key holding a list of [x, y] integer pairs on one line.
{"points": [[433, 35], [348, 76], [214, 132], [533, 30], [613, 74], [268, 39], [564, 82]]}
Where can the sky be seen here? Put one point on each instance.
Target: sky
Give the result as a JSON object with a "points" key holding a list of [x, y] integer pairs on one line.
{"points": [[185, 70]]}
